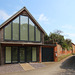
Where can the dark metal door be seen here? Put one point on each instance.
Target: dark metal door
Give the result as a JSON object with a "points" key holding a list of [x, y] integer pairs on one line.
{"points": [[47, 54]]}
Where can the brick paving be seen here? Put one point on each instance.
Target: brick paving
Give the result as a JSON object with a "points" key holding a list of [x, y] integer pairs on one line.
{"points": [[37, 65], [8, 68]]}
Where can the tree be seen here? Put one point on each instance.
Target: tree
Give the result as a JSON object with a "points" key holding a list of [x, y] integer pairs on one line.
{"points": [[46, 38], [57, 37]]}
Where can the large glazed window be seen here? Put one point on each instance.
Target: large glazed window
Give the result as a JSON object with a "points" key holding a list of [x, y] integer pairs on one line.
{"points": [[16, 29], [24, 28], [31, 30], [8, 31], [33, 53], [37, 34], [8, 55], [22, 54], [14, 54], [28, 54]]}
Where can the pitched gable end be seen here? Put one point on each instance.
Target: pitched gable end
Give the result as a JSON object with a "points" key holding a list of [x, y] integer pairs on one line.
{"points": [[25, 12]]}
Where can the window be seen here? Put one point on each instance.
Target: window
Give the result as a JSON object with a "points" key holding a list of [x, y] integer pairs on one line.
{"points": [[24, 28], [14, 54], [37, 34], [31, 30], [16, 29], [8, 55], [28, 54], [8, 31], [33, 53], [22, 54]]}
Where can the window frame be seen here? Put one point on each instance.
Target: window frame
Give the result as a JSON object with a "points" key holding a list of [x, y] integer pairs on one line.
{"points": [[20, 33], [18, 54]]}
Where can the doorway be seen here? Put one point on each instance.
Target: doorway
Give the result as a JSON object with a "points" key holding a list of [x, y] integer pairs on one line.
{"points": [[47, 54], [20, 54]]}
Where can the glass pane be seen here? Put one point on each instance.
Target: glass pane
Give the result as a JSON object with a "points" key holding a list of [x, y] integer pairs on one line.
{"points": [[24, 28], [15, 54], [28, 54], [31, 30], [8, 55], [22, 54], [37, 34], [8, 32], [16, 29], [33, 53]]}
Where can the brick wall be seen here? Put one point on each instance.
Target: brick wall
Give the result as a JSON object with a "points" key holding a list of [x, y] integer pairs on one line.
{"points": [[73, 46], [61, 52]]}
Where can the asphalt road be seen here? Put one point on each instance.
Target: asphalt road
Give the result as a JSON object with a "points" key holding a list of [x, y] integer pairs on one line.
{"points": [[69, 66], [66, 67]]}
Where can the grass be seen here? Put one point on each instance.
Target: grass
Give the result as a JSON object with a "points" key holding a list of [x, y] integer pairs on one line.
{"points": [[62, 57], [73, 53]]}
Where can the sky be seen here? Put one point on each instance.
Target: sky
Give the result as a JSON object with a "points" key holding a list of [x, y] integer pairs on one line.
{"points": [[52, 15]]}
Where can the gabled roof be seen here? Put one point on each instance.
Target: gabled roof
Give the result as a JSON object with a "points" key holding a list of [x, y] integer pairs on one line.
{"points": [[15, 15]]}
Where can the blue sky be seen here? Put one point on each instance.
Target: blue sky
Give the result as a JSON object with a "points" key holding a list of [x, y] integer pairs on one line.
{"points": [[51, 14]]}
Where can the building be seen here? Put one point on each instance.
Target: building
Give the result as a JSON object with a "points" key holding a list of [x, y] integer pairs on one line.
{"points": [[21, 39]]}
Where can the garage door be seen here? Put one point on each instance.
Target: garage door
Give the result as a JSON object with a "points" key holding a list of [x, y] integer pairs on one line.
{"points": [[47, 54]]}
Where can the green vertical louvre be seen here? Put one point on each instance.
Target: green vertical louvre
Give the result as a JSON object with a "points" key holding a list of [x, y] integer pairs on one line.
{"points": [[37, 34], [24, 28], [33, 53], [8, 32], [31, 30], [16, 29], [8, 55]]}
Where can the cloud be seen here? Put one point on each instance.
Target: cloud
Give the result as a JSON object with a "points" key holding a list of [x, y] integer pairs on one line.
{"points": [[68, 26], [71, 34], [3, 15], [42, 17]]}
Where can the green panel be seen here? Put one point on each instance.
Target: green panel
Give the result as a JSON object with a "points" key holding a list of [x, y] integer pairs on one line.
{"points": [[24, 28], [37, 34], [33, 53], [16, 29], [31, 30], [22, 54], [8, 32], [14, 54], [8, 55]]}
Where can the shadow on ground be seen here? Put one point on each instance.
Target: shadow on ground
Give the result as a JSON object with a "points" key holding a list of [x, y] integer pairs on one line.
{"points": [[68, 66], [69, 63]]}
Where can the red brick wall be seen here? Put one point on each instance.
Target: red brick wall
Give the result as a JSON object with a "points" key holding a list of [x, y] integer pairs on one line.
{"points": [[73, 46], [61, 52]]}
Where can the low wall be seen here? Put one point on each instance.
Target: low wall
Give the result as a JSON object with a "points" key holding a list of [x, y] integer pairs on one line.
{"points": [[73, 46], [61, 52]]}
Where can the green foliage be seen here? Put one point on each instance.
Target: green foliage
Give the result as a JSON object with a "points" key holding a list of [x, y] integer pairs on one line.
{"points": [[46, 38], [57, 37]]}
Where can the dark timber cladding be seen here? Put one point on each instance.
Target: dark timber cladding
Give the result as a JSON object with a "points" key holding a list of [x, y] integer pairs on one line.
{"points": [[21, 39]]}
